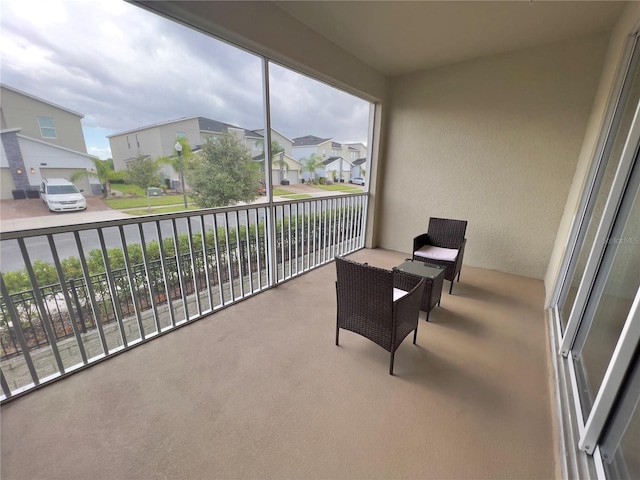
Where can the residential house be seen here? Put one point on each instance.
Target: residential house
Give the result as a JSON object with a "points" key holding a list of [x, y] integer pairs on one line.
{"points": [[303, 147], [40, 140], [290, 168], [285, 169], [337, 169], [158, 140], [359, 168]]}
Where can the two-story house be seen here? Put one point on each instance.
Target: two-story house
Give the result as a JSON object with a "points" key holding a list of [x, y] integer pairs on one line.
{"points": [[158, 140], [340, 160], [285, 167], [39, 140]]}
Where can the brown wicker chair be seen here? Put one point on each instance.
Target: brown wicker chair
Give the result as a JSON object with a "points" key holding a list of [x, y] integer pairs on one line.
{"points": [[443, 244], [378, 304]]}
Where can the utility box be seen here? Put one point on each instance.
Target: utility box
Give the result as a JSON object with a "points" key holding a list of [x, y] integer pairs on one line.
{"points": [[154, 192]]}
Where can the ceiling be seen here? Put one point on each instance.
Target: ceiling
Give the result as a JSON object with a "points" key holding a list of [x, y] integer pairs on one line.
{"points": [[399, 37]]}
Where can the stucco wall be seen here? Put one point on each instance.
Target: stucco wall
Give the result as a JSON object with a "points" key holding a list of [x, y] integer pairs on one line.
{"points": [[494, 141], [615, 50]]}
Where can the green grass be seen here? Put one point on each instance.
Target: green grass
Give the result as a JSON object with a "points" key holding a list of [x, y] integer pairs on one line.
{"points": [[120, 203], [172, 209], [128, 189], [281, 191], [297, 196], [342, 187]]}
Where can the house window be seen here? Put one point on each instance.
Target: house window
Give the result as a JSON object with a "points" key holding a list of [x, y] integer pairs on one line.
{"points": [[179, 135], [128, 143], [137, 140], [47, 129]]}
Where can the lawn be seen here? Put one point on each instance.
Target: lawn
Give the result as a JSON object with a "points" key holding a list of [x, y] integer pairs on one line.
{"points": [[128, 189], [280, 192], [136, 202], [171, 209], [297, 196], [341, 187]]}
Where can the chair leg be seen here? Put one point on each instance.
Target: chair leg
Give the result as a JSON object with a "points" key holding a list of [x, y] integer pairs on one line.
{"points": [[337, 333], [428, 311], [391, 364], [451, 287], [459, 272], [415, 334]]}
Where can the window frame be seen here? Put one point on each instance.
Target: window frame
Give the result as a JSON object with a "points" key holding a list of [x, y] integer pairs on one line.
{"points": [[51, 127]]}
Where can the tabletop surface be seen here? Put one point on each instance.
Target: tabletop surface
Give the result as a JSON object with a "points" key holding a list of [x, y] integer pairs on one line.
{"points": [[422, 269]]}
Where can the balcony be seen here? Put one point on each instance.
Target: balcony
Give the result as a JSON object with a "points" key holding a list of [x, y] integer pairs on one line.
{"points": [[258, 389]]}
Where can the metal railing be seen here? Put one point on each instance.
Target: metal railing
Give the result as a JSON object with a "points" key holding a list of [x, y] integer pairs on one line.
{"points": [[89, 291]]}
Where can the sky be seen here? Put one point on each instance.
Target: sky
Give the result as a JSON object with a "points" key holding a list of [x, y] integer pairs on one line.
{"points": [[124, 68]]}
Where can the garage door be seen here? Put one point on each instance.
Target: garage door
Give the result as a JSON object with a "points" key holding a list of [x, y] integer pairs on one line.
{"points": [[82, 184], [6, 183]]}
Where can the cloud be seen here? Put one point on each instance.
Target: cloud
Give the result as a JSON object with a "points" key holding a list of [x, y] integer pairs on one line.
{"points": [[124, 67]]}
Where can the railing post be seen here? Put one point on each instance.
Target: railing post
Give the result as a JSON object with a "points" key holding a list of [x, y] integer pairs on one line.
{"points": [[76, 300]]}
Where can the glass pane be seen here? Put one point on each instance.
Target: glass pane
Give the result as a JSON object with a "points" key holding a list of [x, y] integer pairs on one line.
{"points": [[319, 137], [130, 107], [611, 166], [628, 450], [613, 308]]}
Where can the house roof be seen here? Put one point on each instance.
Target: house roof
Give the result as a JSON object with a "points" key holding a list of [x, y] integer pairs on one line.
{"points": [[258, 130], [308, 140], [331, 160], [204, 123], [210, 125], [336, 145], [359, 161], [81, 115]]}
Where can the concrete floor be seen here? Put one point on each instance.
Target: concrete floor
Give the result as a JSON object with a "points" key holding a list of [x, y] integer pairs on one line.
{"points": [[259, 390]]}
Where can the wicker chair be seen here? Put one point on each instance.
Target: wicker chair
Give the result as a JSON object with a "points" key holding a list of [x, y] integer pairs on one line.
{"points": [[443, 244], [378, 304]]}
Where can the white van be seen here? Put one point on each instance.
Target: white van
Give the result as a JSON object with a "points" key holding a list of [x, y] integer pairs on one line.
{"points": [[60, 195]]}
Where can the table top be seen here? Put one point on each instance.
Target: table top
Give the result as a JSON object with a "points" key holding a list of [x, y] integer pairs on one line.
{"points": [[422, 269]]}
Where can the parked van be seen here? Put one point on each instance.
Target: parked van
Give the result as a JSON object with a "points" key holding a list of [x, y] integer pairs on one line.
{"points": [[60, 195]]}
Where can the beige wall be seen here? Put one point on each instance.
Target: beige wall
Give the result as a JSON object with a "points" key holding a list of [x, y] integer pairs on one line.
{"points": [[494, 141], [22, 111], [625, 26]]}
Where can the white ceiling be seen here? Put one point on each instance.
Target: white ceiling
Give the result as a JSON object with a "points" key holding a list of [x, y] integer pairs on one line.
{"points": [[399, 37]]}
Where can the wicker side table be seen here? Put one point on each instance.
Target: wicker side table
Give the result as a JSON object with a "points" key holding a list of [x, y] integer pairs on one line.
{"points": [[434, 274]]}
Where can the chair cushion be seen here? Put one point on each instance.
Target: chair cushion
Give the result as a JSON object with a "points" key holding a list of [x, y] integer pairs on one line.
{"points": [[398, 294], [437, 253]]}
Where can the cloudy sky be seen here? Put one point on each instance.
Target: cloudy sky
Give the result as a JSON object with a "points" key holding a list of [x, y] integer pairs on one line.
{"points": [[123, 67]]}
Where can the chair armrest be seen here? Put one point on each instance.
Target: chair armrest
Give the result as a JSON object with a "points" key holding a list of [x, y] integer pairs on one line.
{"points": [[420, 241], [405, 281], [407, 308]]}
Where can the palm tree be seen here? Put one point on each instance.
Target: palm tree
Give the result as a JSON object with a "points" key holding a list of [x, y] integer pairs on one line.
{"points": [[311, 164], [102, 171], [276, 148]]}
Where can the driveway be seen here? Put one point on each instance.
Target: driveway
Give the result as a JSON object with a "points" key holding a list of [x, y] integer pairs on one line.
{"points": [[33, 207], [32, 213]]}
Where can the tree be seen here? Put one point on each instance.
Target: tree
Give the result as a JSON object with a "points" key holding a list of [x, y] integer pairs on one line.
{"points": [[144, 172], [311, 164], [103, 172], [222, 174]]}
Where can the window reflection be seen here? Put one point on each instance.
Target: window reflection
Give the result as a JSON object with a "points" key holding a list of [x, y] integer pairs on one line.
{"points": [[603, 192], [613, 308]]}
